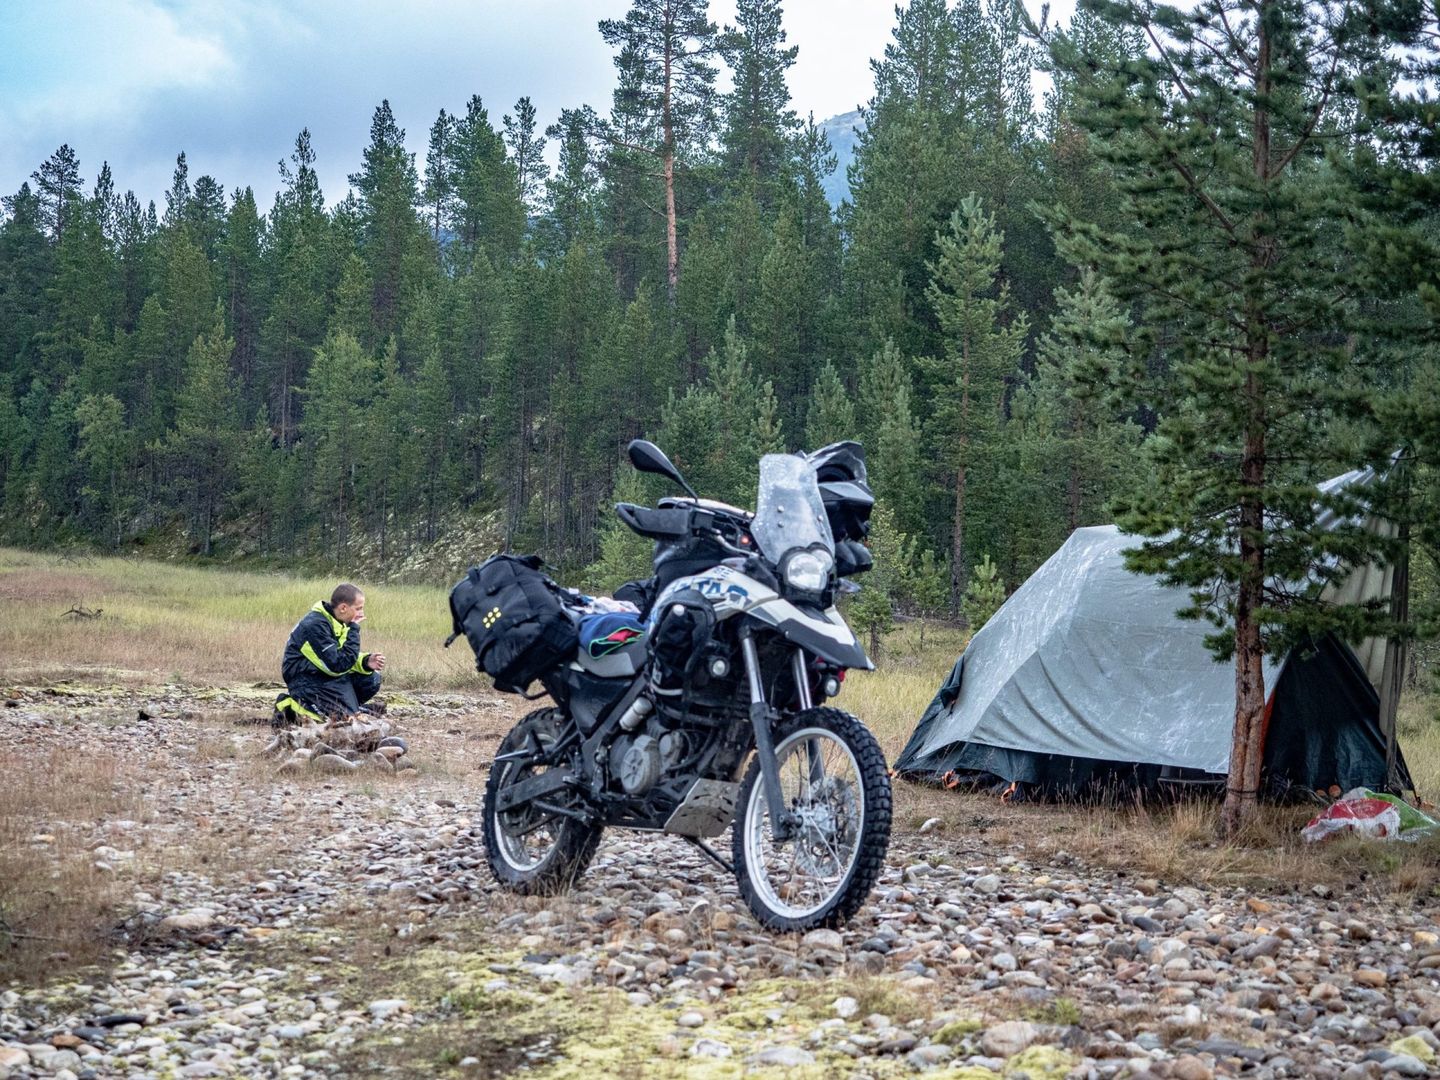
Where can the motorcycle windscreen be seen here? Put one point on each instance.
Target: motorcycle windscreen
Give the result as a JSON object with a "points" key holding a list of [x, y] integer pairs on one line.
{"points": [[789, 513]]}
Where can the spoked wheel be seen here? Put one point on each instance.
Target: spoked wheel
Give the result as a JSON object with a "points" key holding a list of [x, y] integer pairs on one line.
{"points": [[836, 790], [534, 849]]}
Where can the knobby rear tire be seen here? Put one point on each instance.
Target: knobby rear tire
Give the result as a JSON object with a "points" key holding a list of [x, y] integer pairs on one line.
{"points": [[575, 841], [874, 833]]}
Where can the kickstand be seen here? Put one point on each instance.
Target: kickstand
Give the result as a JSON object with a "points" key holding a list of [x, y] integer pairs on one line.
{"points": [[710, 853]]}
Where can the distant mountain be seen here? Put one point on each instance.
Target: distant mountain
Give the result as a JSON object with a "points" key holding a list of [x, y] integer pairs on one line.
{"points": [[844, 132]]}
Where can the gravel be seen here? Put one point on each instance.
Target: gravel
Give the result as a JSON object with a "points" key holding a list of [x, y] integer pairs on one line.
{"points": [[988, 959]]}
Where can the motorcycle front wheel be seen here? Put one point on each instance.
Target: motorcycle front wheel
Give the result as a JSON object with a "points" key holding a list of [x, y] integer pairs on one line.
{"points": [[533, 850], [836, 787]]}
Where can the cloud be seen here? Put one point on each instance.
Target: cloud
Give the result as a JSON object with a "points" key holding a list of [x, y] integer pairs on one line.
{"points": [[231, 82]]}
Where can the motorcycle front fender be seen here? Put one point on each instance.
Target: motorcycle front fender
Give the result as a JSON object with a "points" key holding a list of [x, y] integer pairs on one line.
{"points": [[823, 633]]}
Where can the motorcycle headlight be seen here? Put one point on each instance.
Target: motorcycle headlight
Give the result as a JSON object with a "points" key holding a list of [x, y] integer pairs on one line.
{"points": [[808, 571]]}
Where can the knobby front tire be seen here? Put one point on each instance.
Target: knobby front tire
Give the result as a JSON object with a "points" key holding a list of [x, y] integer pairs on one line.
{"points": [[834, 778]]}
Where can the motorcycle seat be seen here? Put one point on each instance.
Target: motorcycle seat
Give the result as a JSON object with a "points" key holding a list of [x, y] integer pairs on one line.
{"points": [[612, 645]]}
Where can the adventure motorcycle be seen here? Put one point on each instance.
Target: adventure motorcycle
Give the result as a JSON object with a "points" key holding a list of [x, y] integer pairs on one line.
{"points": [[709, 709]]}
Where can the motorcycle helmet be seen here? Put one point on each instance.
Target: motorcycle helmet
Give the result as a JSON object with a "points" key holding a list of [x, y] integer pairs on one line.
{"points": [[840, 470]]}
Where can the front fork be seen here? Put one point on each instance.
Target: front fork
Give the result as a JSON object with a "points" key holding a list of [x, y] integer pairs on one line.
{"points": [[782, 820]]}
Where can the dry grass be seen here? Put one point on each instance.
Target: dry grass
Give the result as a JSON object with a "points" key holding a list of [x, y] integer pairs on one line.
{"points": [[55, 905], [164, 622], [1175, 842]]}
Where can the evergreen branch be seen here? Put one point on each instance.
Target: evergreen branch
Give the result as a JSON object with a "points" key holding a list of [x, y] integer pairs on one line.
{"points": [[1193, 184], [1234, 39], [1170, 64], [1304, 137]]}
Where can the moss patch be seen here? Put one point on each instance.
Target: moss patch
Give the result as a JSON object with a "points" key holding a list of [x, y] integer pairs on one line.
{"points": [[1040, 1061]]}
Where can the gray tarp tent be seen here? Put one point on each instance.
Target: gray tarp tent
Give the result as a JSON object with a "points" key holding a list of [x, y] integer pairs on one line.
{"points": [[1087, 675]]}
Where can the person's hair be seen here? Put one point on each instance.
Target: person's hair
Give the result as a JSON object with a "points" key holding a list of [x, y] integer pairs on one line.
{"points": [[345, 593]]}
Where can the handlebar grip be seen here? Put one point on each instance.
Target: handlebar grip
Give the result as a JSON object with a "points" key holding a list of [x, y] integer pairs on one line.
{"points": [[655, 524]]}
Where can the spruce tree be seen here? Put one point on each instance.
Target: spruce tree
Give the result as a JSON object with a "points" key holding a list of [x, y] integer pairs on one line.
{"points": [[983, 595], [337, 390], [296, 284], [1079, 356]]}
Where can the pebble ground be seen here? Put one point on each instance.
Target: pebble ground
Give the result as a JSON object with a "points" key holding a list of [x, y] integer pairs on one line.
{"points": [[347, 926]]}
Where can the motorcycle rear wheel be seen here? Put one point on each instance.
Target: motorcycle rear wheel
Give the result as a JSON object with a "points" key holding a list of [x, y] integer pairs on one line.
{"points": [[530, 852], [833, 777]]}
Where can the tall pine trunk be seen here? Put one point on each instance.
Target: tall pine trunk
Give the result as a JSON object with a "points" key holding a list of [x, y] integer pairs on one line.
{"points": [[1247, 749], [672, 250]]}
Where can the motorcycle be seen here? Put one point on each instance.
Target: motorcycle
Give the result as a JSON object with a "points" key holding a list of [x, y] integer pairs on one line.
{"points": [[712, 714]]}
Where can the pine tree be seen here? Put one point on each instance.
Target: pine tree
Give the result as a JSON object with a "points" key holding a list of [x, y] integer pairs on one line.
{"points": [[667, 46], [205, 443], [337, 391], [387, 190], [240, 262], [572, 191], [488, 213], [26, 264], [982, 342], [892, 436], [104, 445], [1239, 145], [57, 190], [759, 123], [983, 595], [527, 153], [439, 191], [831, 416]]}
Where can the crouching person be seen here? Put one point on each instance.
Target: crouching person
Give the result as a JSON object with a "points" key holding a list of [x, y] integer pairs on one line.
{"points": [[326, 675]]}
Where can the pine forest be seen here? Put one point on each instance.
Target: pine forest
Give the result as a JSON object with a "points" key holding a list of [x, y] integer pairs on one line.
{"points": [[1193, 277]]}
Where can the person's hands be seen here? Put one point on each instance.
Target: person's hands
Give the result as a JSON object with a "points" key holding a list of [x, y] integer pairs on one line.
{"points": [[377, 661]]}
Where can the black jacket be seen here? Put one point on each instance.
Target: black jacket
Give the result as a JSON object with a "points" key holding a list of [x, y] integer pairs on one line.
{"points": [[322, 645]]}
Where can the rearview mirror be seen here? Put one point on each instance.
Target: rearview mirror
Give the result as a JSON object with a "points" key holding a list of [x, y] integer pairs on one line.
{"points": [[647, 457]]}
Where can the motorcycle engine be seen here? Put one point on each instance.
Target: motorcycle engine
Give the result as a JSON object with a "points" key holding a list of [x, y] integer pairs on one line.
{"points": [[638, 761]]}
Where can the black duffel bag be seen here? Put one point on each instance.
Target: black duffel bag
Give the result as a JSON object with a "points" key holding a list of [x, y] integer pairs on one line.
{"points": [[515, 618]]}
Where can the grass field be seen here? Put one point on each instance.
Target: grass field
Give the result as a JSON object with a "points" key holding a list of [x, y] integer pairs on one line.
{"points": [[161, 623]]}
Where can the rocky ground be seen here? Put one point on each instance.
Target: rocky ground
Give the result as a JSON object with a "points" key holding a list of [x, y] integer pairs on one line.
{"points": [[320, 925]]}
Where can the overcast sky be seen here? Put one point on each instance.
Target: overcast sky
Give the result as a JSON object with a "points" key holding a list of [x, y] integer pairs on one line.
{"points": [[231, 82]]}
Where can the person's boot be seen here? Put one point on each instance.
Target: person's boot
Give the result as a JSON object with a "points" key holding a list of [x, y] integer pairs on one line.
{"points": [[374, 707]]}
